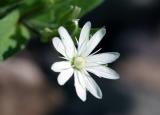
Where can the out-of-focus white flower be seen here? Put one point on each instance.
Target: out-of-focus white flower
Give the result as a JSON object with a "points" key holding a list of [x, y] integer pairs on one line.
{"points": [[79, 61]]}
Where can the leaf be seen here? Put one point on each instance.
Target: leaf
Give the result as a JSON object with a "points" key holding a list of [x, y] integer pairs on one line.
{"points": [[13, 36], [20, 38], [8, 27]]}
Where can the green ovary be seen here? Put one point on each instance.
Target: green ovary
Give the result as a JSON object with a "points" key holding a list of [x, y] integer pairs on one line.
{"points": [[78, 63]]}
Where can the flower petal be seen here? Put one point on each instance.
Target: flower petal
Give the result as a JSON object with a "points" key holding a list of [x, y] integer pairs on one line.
{"points": [[59, 46], [92, 86], [80, 76], [67, 41], [84, 36], [80, 89], [102, 71], [85, 32], [102, 58], [94, 41], [60, 66], [64, 76]]}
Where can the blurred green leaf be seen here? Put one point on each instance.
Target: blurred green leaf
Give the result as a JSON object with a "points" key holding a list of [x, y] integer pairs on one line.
{"points": [[8, 27], [9, 44]]}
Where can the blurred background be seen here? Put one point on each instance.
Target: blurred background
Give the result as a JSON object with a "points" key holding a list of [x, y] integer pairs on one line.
{"points": [[133, 29]]}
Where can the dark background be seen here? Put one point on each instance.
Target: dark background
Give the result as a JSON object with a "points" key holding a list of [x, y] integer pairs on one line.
{"points": [[133, 30]]}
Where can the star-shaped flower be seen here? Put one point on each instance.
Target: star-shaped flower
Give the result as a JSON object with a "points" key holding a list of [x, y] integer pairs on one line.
{"points": [[79, 61]]}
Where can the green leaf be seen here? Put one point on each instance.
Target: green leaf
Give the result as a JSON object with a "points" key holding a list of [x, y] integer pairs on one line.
{"points": [[13, 36], [7, 29]]}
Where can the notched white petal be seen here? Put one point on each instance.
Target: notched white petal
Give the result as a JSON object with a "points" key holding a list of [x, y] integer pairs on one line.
{"points": [[80, 90], [94, 41], [92, 87], [80, 77], [64, 76], [102, 58], [67, 42], [57, 43], [102, 71], [84, 35], [60, 66]]}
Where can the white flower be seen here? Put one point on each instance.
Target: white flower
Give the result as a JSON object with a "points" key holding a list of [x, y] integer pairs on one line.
{"points": [[80, 60]]}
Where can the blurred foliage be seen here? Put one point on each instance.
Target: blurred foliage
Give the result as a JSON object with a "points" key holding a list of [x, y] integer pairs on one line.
{"points": [[20, 20]]}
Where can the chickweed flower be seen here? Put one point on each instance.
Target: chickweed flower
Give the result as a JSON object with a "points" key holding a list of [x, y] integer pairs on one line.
{"points": [[80, 60]]}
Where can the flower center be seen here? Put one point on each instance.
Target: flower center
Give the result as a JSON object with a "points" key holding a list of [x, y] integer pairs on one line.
{"points": [[79, 63]]}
